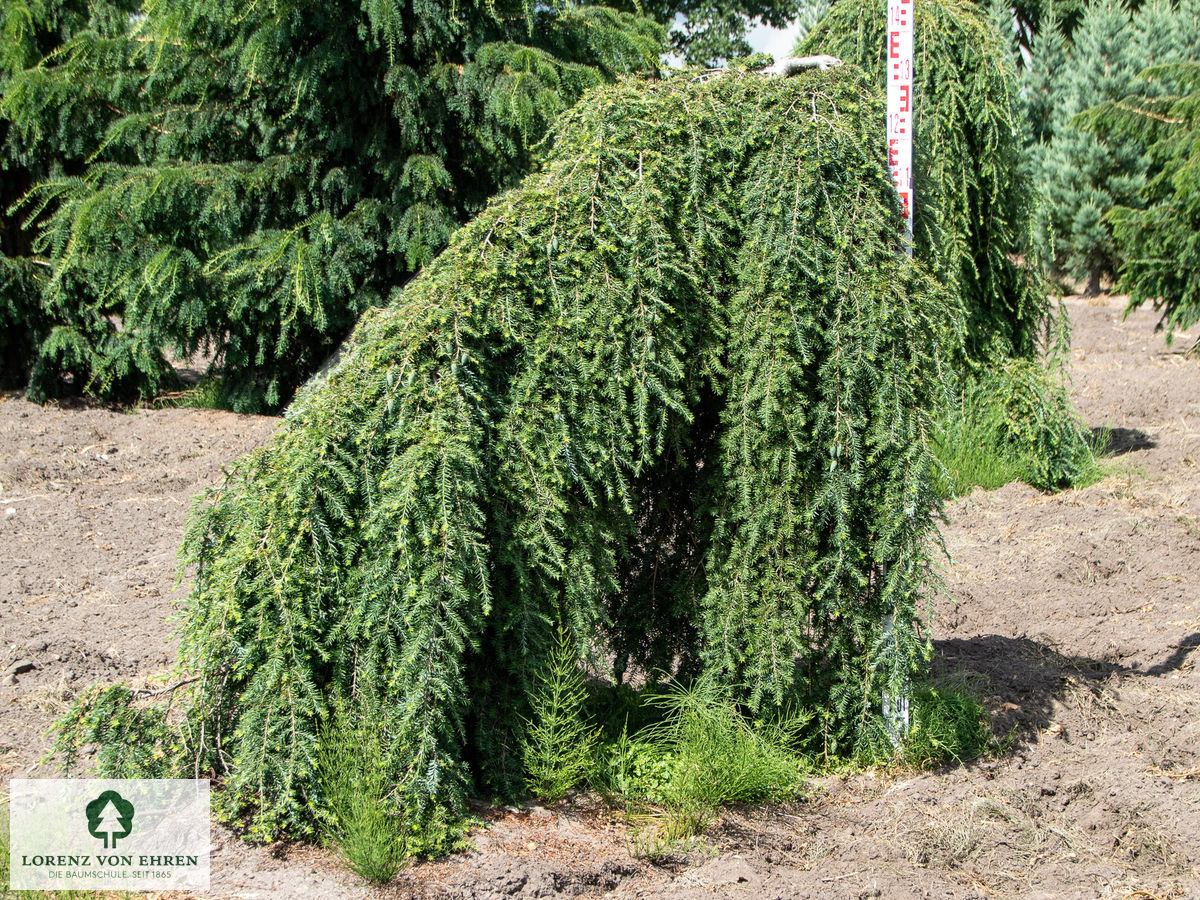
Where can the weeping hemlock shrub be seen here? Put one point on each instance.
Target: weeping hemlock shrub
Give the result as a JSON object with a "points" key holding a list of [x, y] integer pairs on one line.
{"points": [[974, 203], [701, 293]]}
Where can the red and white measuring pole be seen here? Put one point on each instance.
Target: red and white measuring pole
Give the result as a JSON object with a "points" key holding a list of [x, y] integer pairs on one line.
{"points": [[900, 106], [900, 152]]}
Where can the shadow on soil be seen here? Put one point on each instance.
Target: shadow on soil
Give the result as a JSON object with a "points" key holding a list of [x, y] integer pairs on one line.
{"points": [[1024, 677], [1119, 441]]}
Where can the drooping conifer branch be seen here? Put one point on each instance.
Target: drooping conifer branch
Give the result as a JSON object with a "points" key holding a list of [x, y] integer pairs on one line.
{"points": [[974, 195]]}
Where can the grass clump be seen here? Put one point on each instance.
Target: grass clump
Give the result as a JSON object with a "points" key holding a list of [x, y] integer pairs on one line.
{"points": [[969, 459], [365, 814], [948, 726], [365, 822], [714, 756], [208, 394], [1014, 422]]}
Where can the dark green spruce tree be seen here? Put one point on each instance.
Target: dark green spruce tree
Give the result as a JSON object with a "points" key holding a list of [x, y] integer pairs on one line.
{"points": [[273, 169], [1032, 18], [56, 145]]}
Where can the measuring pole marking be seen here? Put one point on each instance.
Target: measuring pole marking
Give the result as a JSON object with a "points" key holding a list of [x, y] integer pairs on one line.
{"points": [[899, 106]]}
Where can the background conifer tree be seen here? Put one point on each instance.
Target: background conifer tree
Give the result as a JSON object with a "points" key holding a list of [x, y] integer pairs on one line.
{"points": [[810, 15], [1039, 101], [1081, 177], [1034, 17], [275, 168], [57, 144], [1158, 237], [1083, 173], [1158, 37]]}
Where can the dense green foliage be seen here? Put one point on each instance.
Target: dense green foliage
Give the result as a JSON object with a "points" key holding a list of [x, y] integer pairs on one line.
{"points": [[713, 305], [1048, 56], [974, 200], [29, 31], [811, 13], [675, 394], [1035, 18], [1027, 406], [264, 172], [132, 735], [274, 169], [1160, 239]]}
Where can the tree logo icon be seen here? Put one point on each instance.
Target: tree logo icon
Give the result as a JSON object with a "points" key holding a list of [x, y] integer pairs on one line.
{"points": [[110, 816]]}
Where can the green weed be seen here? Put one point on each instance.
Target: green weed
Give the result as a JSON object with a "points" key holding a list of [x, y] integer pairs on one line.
{"points": [[558, 746], [1014, 422], [963, 448], [717, 757], [971, 459], [208, 394], [631, 771]]}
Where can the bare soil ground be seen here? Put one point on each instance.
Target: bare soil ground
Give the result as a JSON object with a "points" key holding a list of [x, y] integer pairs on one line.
{"points": [[1076, 615]]}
